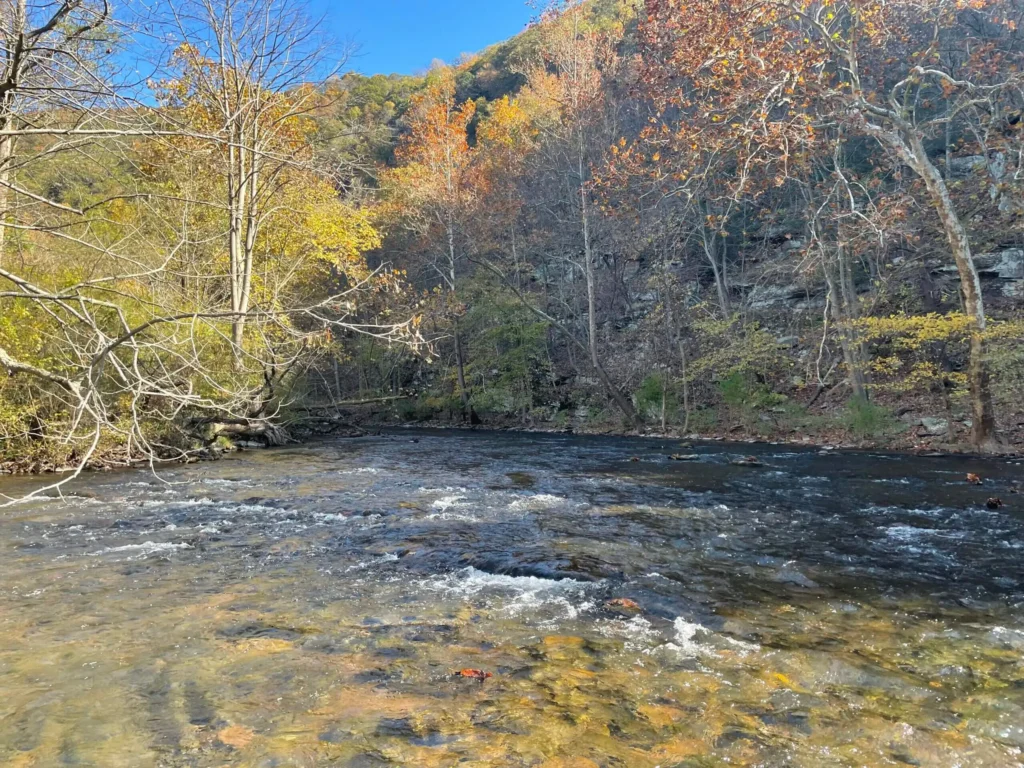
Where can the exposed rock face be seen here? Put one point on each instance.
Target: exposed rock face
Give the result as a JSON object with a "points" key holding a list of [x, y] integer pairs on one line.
{"points": [[1004, 267], [793, 296], [962, 167]]}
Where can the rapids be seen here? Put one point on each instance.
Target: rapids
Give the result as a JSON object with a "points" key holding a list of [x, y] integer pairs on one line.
{"points": [[309, 606]]}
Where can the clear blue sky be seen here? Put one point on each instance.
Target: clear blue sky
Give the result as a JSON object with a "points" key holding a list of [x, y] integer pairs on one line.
{"points": [[405, 36]]}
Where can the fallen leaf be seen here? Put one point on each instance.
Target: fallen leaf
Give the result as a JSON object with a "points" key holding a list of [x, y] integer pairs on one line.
{"points": [[623, 602], [237, 736], [475, 674]]}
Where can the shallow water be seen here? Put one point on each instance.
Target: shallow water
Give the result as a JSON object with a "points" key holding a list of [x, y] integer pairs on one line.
{"points": [[309, 606]]}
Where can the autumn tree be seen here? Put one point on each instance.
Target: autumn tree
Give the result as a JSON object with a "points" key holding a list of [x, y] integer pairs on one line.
{"points": [[567, 88], [114, 318], [434, 191], [882, 70], [889, 72], [505, 140], [243, 75]]}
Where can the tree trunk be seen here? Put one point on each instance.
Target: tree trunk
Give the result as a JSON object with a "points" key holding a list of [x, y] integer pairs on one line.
{"points": [[718, 270], [983, 432], [623, 403], [6, 154], [460, 363], [235, 192], [854, 366], [664, 401], [11, 74], [460, 370], [686, 386]]}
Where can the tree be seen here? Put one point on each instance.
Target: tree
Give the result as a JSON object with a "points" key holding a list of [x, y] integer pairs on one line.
{"points": [[244, 74], [46, 62], [889, 106], [113, 324], [569, 85], [881, 69], [434, 190]]}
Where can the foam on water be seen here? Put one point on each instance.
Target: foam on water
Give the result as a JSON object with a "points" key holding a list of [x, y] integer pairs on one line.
{"points": [[387, 557], [143, 550], [909, 532], [517, 595], [638, 633], [536, 502], [447, 502], [685, 637]]}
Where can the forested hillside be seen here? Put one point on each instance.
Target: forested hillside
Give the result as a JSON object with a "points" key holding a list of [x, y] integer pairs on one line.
{"points": [[797, 220], [801, 221]]}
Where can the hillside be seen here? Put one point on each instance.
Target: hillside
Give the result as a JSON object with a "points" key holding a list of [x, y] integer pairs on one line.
{"points": [[631, 217], [721, 313]]}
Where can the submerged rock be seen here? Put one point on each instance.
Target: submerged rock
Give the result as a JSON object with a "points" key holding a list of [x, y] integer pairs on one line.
{"points": [[789, 575], [748, 461]]}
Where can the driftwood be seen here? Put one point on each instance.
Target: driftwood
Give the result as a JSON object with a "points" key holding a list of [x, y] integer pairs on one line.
{"points": [[251, 429]]}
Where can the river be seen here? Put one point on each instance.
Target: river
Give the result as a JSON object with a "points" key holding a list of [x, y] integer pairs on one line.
{"points": [[311, 606]]}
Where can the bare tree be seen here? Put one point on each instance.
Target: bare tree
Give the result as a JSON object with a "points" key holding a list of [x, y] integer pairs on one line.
{"points": [[245, 73], [122, 340], [893, 108], [570, 77]]}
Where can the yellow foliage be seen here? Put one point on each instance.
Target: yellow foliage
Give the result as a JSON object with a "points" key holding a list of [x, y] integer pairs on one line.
{"points": [[907, 347]]}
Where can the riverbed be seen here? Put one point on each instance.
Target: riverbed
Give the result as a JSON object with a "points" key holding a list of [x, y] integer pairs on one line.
{"points": [[314, 606]]}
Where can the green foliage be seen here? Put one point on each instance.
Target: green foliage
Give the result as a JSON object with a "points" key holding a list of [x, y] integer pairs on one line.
{"points": [[1006, 356], [507, 352], [655, 390], [865, 419], [704, 420], [912, 352], [741, 391], [731, 347]]}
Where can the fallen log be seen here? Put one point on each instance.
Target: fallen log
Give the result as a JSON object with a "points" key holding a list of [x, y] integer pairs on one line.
{"points": [[251, 429]]}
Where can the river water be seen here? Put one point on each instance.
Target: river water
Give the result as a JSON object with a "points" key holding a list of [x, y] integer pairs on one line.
{"points": [[310, 606]]}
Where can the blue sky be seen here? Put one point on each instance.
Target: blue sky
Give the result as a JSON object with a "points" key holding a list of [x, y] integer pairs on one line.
{"points": [[405, 36]]}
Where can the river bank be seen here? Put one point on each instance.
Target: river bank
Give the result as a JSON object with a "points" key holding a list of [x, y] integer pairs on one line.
{"points": [[905, 442], [370, 418]]}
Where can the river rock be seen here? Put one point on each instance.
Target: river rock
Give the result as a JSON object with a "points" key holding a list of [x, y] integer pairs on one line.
{"points": [[934, 426], [748, 461], [790, 575]]}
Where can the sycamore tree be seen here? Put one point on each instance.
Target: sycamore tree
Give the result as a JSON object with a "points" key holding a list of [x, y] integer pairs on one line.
{"points": [[891, 78], [771, 75]]}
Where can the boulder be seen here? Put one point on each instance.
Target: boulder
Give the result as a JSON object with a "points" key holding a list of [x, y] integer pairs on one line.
{"points": [[934, 426]]}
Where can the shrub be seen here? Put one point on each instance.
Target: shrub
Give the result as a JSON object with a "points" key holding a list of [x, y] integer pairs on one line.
{"points": [[650, 395], [866, 419]]}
